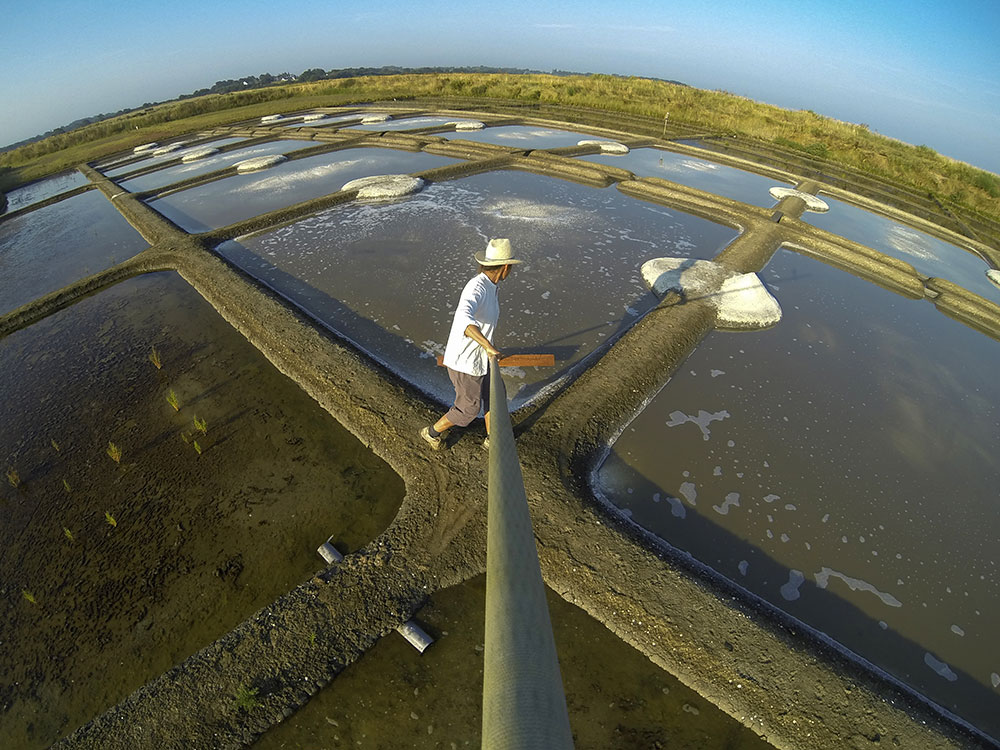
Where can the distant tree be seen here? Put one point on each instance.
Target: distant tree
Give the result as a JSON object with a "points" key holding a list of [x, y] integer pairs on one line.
{"points": [[313, 74]]}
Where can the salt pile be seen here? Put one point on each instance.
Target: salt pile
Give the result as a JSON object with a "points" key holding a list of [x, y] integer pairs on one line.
{"points": [[384, 187], [468, 125], [199, 154], [373, 119], [259, 162], [144, 148], [741, 301], [813, 203], [607, 147]]}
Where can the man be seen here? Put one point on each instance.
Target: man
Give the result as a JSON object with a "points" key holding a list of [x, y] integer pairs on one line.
{"points": [[470, 343]]}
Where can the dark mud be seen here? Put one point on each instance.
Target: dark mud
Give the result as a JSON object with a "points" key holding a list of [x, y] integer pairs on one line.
{"points": [[199, 540]]}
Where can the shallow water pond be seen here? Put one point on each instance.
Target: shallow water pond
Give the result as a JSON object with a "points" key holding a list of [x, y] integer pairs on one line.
{"points": [[388, 276], [928, 255], [842, 466], [234, 199], [152, 160], [693, 172], [169, 175], [115, 571], [394, 697], [409, 123], [28, 195], [522, 136], [46, 249], [330, 120]]}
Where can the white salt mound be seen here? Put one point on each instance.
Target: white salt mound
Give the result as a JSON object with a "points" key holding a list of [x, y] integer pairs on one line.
{"points": [[384, 187], [741, 301], [993, 275], [199, 154], [607, 147], [259, 162], [144, 147], [813, 203], [468, 125], [313, 117], [372, 119], [271, 118], [167, 149]]}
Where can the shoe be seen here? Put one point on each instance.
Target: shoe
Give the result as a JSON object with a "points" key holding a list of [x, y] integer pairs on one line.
{"points": [[436, 443], [486, 443]]}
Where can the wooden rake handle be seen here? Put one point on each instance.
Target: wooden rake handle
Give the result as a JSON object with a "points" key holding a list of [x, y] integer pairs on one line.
{"points": [[520, 360]]}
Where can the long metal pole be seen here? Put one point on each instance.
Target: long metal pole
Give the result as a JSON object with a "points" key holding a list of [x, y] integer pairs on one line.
{"points": [[523, 701]]}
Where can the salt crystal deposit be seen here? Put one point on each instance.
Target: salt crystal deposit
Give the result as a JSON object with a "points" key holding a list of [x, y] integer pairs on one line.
{"points": [[741, 301], [607, 147], [384, 187], [199, 154], [813, 203], [259, 162]]}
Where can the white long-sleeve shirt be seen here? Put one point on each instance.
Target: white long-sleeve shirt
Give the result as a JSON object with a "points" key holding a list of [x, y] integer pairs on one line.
{"points": [[478, 306]]}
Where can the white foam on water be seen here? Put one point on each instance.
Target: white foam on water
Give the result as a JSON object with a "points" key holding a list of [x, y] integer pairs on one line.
{"points": [[957, 630], [293, 180], [854, 584], [771, 498], [940, 667], [732, 501], [911, 242], [717, 471], [677, 507], [703, 419], [520, 209], [689, 492], [790, 590], [743, 567], [995, 679], [717, 373]]}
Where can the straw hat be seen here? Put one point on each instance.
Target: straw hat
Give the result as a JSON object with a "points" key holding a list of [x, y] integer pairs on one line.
{"points": [[497, 253]]}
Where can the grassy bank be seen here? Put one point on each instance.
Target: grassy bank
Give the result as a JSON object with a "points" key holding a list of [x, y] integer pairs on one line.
{"points": [[850, 145]]}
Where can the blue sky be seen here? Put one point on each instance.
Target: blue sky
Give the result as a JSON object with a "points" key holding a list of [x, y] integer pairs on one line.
{"points": [[923, 72]]}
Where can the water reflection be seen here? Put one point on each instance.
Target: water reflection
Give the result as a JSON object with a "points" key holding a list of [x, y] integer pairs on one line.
{"points": [[693, 172], [152, 160], [163, 177], [929, 255], [243, 196], [53, 246], [522, 136], [841, 465], [388, 275], [36, 192], [410, 123]]}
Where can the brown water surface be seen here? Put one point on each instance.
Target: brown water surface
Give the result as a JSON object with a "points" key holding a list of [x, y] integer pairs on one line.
{"points": [[112, 572], [394, 697]]}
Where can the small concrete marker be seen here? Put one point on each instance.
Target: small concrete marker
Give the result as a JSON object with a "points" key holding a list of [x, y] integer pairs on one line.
{"points": [[413, 633], [993, 275]]}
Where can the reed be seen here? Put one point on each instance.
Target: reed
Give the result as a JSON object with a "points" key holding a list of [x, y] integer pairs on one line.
{"points": [[173, 400], [154, 357], [29, 596], [201, 425], [246, 698], [13, 477], [110, 519], [114, 452]]}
